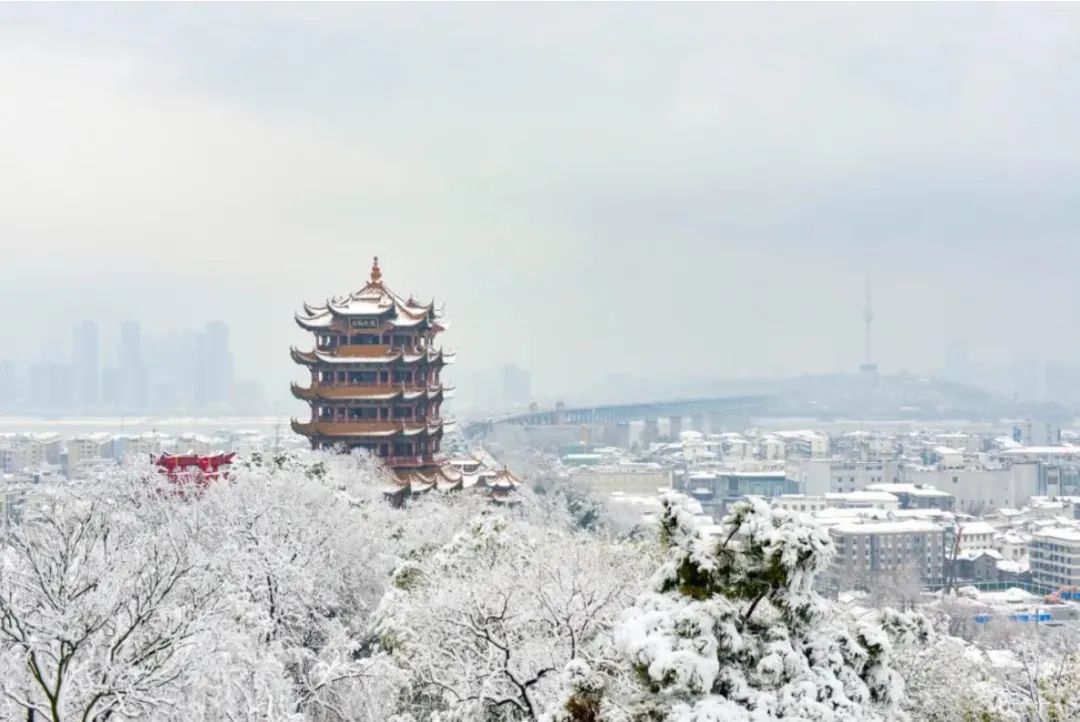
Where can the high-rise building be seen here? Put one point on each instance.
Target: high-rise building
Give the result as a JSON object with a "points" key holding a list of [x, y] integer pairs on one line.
{"points": [[216, 364], [1055, 557], [516, 386], [131, 372], [375, 377], [86, 361], [9, 384], [61, 387]]}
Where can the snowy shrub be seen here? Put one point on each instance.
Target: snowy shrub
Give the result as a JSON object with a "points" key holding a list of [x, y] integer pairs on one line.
{"points": [[732, 630]]}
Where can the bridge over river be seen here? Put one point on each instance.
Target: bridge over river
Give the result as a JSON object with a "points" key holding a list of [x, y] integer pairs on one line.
{"points": [[715, 410]]}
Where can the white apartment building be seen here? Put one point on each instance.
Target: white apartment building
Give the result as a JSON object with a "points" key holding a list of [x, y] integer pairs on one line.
{"points": [[46, 445], [917, 496], [1055, 557], [737, 448], [980, 490], [88, 448], [194, 444], [867, 549], [949, 458], [15, 457], [1013, 545], [833, 476], [140, 445], [849, 500], [957, 441], [805, 503], [28, 451], [810, 444], [976, 535], [625, 478], [1038, 433], [771, 448]]}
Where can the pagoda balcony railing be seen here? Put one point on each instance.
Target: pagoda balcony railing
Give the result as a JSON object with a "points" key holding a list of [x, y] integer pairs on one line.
{"points": [[361, 391], [362, 428], [374, 348]]}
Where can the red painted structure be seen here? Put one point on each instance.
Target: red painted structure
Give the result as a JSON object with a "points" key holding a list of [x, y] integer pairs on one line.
{"points": [[192, 467]]}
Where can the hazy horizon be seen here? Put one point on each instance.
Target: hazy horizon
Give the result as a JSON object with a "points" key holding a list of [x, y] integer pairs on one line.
{"points": [[693, 190]]}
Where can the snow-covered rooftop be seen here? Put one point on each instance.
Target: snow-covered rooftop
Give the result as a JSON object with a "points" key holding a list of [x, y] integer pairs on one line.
{"points": [[912, 489], [908, 526], [1061, 533]]}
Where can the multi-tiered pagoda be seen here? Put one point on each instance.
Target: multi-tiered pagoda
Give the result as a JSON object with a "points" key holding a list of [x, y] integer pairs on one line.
{"points": [[375, 378]]}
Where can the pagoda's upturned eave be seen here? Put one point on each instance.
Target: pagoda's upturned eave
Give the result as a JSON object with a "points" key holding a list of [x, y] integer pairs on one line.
{"points": [[367, 393], [316, 358], [314, 323], [360, 430]]}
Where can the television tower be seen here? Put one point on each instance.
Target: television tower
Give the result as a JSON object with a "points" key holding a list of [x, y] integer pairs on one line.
{"points": [[868, 318]]}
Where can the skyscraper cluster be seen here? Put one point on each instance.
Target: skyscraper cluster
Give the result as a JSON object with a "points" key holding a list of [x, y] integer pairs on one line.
{"points": [[187, 372]]}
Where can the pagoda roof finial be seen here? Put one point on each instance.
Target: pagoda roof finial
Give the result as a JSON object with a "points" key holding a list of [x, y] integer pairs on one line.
{"points": [[376, 272]]}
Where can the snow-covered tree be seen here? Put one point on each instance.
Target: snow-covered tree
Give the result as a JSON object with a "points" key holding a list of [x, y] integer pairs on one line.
{"points": [[484, 627], [732, 630], [104, 600], [132, 598]]}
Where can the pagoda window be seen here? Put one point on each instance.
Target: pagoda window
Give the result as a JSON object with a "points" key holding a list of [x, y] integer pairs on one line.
{"points": [[403, 450], [402, 377], [386, 339], [363, 412], [363, 377], [326, 377], [341, 377], [384, 449], [403, 412], [364, 339], [325, 412], [384, 413], [384, 376]]}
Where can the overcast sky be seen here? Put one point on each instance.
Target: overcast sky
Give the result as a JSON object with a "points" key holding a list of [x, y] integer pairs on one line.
{"points": [[694, 189]]}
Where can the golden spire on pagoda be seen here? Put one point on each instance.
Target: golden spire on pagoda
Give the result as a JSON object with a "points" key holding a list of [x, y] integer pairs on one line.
{"points": [[376, 273]]}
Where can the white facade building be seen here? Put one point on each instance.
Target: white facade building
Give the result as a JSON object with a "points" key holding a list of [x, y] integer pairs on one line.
{"points": [[976, 535], [1055, 557], [88, 448], [980, 490], [833, 476]]}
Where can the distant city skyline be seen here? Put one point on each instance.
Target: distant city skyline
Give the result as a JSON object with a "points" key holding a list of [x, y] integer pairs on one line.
{"points": [[184, 371], [114, 367]]}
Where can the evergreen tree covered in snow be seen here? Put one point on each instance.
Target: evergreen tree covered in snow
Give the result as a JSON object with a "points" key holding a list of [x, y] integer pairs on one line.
{"points": [[732, 630]]}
